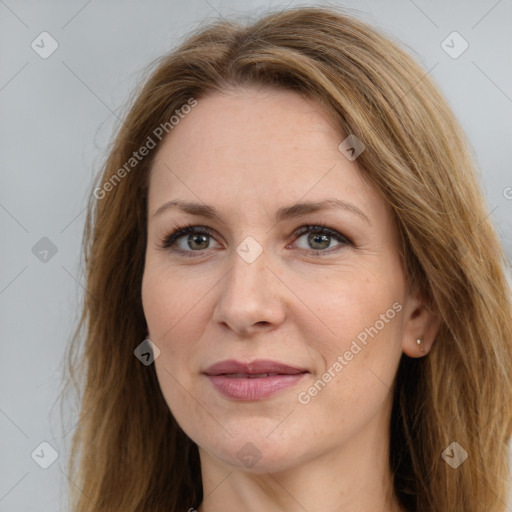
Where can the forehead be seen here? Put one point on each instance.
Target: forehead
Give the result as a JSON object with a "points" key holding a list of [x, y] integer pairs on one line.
{"points": [[257, 148]]}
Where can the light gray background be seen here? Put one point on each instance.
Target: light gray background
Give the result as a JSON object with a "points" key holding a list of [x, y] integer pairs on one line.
{"points": [[56, 118]]}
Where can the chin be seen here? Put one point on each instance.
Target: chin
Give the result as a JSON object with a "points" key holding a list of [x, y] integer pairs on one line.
{"points": [[255, 453]]}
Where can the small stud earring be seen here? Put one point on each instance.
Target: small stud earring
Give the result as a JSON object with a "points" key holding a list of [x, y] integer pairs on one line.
{"points": [[419, 342]]}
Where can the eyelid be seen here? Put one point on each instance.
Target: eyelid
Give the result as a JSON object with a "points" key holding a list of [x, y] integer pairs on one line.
{"points": [[320, 228], [169, 239]]}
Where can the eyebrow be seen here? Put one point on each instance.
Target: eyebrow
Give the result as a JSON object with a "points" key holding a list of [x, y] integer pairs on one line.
{"points": [[287, 212]]}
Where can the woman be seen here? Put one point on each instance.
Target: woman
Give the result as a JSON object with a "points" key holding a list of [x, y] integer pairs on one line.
{"points": [[296, 300]]}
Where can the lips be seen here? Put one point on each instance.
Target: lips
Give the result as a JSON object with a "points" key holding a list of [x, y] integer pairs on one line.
{"points": [[252, 381], [253, 369]]}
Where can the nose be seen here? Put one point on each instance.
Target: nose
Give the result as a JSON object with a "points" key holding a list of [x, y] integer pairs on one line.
{"points": [[251, 297]]}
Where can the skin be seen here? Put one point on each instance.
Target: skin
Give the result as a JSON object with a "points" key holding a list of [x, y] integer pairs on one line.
{"points": [[248, 152]]}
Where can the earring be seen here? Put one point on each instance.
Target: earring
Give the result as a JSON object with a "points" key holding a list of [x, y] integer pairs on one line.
{"points": [[419, 342]]}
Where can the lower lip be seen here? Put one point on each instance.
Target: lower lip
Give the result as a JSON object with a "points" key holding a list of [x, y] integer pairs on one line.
{"points": [[241, 388]]}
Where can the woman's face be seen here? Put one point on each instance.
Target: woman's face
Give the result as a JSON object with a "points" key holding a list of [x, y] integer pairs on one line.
{"points": [[255, 286]]}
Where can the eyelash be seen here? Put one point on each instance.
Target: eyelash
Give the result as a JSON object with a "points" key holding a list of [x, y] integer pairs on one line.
{"points": [[168, 240]]}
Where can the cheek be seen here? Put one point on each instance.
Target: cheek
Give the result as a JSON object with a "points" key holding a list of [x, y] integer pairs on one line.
{"points": [[176, 316], [167, 301], [166, 315], [165, 312], [348, 303], [357, 336]]}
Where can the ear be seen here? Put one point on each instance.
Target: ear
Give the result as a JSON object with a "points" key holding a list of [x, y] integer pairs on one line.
{"points": [[419, 323]]}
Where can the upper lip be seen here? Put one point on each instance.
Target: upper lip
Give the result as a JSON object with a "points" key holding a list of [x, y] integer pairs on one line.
{"points": [[256, 367]]}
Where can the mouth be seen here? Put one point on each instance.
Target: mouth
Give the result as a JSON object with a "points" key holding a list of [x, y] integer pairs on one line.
{"points": [[252, 381], [258, 367], [251, 376]]}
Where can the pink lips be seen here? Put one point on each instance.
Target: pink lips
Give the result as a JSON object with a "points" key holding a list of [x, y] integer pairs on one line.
{"points": [[252, 381]]}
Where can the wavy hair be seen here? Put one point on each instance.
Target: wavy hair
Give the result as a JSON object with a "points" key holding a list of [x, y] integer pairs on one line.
{"points": [[420, 162]]}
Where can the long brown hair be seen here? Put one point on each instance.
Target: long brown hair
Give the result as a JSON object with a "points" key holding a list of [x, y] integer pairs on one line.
{"points": [[128, 453]]}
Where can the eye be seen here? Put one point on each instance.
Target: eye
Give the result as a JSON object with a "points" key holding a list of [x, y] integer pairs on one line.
{"points": [[196, 239], [319, 239]]}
